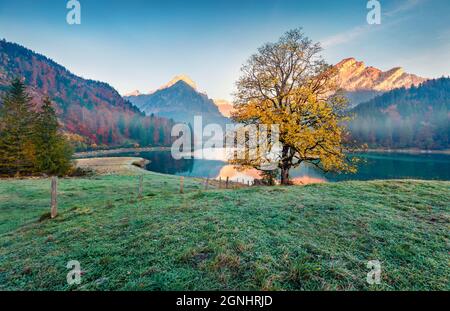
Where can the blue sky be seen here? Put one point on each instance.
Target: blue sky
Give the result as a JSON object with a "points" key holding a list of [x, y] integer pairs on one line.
{"points": [[142, 44]]}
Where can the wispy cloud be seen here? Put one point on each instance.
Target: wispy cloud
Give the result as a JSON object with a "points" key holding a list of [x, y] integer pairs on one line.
{"points": [[364, 30], [403, 7], [346, 36]]}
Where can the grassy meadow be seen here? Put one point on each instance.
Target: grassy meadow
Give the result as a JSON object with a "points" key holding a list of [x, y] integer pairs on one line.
{"points": [[316, 237]]}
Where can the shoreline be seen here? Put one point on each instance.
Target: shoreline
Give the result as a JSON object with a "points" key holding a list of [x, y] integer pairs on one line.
{"points": [[410, 151], [91, 154], [117, 165]]}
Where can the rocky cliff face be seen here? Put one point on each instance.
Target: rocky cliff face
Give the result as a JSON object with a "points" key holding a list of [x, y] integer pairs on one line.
{"points": [[356, 76]]}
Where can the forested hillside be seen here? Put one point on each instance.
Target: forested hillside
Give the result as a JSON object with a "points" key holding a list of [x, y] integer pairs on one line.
{"points": [[406, 118], [93, 111]]}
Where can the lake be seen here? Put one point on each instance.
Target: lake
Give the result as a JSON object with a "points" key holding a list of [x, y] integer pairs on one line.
{"points": [[375, 166]]}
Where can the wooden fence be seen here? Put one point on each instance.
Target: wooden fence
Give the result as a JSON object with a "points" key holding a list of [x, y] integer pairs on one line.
{"points": [[208, 184]]}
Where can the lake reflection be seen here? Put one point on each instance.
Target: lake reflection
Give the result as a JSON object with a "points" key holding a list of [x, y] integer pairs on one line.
{"points": [[375, 166]]}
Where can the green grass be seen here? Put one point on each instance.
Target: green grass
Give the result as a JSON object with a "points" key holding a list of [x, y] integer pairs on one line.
{"points": [[317, 237]]}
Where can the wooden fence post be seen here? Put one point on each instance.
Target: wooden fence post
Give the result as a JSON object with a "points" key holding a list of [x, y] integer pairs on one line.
{"points": [[181, 184], [141, 185], [54, 199], [227, 182], [220, 182], [207, 183]]}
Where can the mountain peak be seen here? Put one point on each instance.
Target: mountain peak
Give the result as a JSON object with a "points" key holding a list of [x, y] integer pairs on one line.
{"points": [[356, 76], [347, 61], [180, 101], [186, 79], [132, 93]]}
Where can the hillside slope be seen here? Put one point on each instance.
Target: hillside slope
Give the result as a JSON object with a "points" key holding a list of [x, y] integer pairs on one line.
{"points": [[418, 117], [88, 108], [318, 237]]}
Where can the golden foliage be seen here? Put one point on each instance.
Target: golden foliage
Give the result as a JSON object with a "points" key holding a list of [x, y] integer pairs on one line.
{"points": [[287, 84]]}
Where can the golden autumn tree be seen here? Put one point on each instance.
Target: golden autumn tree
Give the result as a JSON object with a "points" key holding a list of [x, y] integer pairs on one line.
{"points": [[287, 83]]}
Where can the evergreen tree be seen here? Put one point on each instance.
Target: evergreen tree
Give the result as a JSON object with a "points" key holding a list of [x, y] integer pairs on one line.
{"points": [[53, 151], [121, 124], [142, 134], [110, 136], [16, 131], [161, 136], [151, 134]]}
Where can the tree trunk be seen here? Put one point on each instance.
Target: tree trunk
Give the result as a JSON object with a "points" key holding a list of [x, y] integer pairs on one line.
{"points": [[285, 167], [285, 176]]}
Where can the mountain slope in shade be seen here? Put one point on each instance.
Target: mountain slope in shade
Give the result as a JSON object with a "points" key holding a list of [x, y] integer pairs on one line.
{"points": [[363, 83], [418, 117], [94, 110], [179, 101]]}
